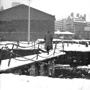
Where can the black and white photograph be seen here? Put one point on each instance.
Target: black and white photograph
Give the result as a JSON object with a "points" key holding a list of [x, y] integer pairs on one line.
{"points": [[44, 45]]}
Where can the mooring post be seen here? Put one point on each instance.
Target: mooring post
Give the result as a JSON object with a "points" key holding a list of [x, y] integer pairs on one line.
{"points": [[55, 48], [37, 52], [10, 58], [62, 46], [9, 62], [34, 44], [11, 54], [17, 44]]}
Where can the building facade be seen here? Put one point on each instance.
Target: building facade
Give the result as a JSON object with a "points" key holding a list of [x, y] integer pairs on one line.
{"points": [[77, 25], [87, 31], [60, 25], [14, 23]]}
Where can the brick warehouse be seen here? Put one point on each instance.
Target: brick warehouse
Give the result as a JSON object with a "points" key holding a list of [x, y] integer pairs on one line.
{"points": [[14, 23]]}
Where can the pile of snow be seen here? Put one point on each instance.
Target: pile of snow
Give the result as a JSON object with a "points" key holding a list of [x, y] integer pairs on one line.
{"points": [[16, 82], [76, 47]]}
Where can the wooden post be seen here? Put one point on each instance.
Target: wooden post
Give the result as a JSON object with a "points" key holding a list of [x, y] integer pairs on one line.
{"points": [[34, 44], [62, 46], [37, 53], [55, 48], [9, 62]]}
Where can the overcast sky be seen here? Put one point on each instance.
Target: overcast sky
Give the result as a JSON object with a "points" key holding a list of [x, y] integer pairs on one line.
{"points": [[59, 8]]}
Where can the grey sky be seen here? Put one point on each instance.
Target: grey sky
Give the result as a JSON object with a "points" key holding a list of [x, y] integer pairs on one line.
{"points": [[59, 8]]}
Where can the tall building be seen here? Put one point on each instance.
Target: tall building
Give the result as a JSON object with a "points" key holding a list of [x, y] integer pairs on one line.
{"points": [[60, 25], [75, 24], [87, 31]]}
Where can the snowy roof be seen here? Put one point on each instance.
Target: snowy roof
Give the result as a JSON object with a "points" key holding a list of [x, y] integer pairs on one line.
{"points": [[63, 33]]}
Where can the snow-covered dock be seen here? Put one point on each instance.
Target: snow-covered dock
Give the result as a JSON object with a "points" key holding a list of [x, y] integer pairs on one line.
{"points": [[59, 47], [19, 61]]}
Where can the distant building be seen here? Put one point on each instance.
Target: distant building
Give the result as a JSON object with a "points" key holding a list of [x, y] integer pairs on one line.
{"points": [[60, 25], [14, 23], [87, 31], [75, 24]]}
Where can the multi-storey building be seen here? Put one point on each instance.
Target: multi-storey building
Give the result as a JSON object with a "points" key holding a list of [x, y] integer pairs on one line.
{"points": [[77, 25], [60, 25]]}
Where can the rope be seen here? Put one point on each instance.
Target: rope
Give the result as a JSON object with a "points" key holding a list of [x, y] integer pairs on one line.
{"points": [[20, 46], [27, 59], [49, 55], [2, 44]]}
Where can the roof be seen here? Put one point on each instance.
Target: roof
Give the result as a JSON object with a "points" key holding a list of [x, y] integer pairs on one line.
{"points": [[21, 12], [63, 33]]}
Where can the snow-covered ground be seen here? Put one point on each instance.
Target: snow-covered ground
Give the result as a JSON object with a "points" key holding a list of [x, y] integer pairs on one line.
{"points": [[34, 45], [76, 47], [17, 82]]}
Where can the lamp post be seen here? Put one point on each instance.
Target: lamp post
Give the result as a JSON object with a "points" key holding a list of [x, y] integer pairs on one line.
{"points": [[29, 22]]}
